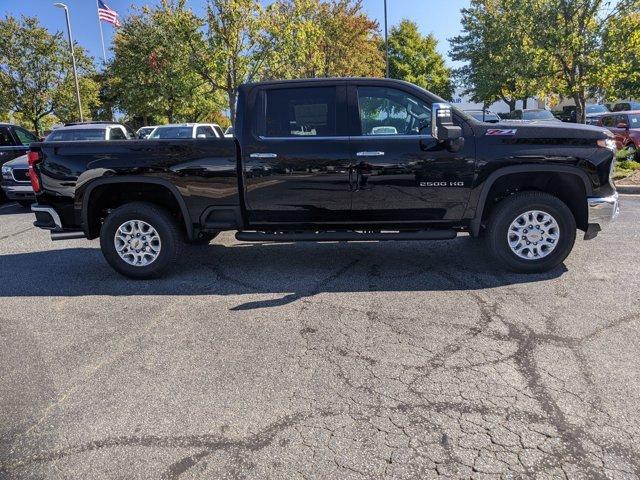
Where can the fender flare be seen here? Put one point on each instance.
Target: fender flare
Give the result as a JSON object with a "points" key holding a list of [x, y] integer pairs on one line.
{"points": [[476, 222], [135, 179]]}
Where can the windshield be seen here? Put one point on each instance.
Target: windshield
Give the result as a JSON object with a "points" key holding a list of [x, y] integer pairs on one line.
{"points": [[173, 132], [78, 134], [537, 115], [597, 109]]}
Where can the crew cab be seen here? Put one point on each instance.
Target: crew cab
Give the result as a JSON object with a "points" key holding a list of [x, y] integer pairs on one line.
{"points": [[310, 162]]}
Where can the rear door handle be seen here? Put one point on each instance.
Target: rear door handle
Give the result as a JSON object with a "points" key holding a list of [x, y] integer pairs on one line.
{"points": [[370, 154], [264, 155]]}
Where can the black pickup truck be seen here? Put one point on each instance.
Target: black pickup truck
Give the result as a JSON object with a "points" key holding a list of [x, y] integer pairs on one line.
{"points": [[333, 160]]}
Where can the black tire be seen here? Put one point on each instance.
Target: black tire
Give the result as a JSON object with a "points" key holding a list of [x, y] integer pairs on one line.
{"points": [[508, 210], [204, 238], [25, 204], [166, 227]]}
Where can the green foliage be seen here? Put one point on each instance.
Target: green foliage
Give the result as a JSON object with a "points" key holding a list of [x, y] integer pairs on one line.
{"points": [[313, 38], [625, 168], [501, 61], [414, 58], [151, 75]]}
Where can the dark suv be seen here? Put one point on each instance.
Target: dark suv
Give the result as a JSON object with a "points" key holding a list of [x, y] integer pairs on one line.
{"points": [[14, 142]]}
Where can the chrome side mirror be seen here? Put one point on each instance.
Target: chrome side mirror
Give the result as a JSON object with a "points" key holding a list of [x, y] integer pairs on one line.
{"points": [[442, 127]]}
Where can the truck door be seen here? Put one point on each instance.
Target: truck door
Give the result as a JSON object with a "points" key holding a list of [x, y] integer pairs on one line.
{"points": [[296, 161], [403, 175]]}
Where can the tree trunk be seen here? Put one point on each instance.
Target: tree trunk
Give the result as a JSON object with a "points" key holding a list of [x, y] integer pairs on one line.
{"points": [[232, 106], [36, 127], [580, 101]]}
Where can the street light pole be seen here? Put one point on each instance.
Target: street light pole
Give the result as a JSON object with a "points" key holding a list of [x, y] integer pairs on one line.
{"points": [[386, 38], [73, 57]]}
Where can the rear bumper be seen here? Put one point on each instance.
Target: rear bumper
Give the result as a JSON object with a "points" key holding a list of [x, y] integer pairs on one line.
{"points": [[48, 219]]}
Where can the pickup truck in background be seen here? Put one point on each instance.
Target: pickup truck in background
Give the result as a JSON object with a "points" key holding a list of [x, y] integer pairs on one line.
{"points": [[334, 160]]}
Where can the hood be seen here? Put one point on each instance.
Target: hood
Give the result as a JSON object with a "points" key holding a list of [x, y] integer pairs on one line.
{"points": [[19, 162], [543, 129]]}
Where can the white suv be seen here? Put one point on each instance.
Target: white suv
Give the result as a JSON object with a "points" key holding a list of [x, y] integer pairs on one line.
{"points": [[187, 130]]}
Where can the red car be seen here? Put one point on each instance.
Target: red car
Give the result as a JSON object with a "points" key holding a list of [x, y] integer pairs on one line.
{"points": [[626, 127]]}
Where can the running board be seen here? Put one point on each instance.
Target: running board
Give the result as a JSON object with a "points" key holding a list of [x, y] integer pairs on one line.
{"points": [[55, 236], [349, 236]]}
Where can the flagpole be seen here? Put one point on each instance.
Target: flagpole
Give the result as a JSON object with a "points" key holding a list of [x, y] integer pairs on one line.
{"points": [[104, 52]]}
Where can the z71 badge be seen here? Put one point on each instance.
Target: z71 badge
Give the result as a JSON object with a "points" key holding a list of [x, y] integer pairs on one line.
{"points": [[502, 132]]}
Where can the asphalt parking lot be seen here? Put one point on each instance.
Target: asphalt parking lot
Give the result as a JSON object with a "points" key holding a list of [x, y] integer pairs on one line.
{"points": [[400, 360]]}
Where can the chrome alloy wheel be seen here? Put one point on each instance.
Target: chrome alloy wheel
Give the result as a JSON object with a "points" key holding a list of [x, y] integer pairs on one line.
{"points": [[137, 243], [533, 235]]}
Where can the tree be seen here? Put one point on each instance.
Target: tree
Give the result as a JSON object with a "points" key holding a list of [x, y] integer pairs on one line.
{"points": [[312, 38], [229, 55], [414, 58], [64, 99], [151, 75], [501, 64], [622, 71], [571, 35], [32, 65]]}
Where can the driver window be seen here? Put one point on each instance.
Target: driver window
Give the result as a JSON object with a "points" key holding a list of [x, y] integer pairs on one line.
{"points": [[387, 111]]}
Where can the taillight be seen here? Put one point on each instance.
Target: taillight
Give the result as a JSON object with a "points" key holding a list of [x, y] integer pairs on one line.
{"points": [[34, 158]]}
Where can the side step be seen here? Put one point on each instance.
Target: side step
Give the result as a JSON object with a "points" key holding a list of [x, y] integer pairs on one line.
{"points": [[348, 236]]}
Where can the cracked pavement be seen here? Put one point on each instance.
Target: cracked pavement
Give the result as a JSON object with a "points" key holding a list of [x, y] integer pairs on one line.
{"points": [[346, 361]]}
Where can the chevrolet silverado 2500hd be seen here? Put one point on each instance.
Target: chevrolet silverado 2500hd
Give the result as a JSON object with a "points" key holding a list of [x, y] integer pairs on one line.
{"points": [[333, 159]]}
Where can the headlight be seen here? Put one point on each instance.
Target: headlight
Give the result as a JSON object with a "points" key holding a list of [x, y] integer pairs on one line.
{"points": [[6, 172], [609, 143]]}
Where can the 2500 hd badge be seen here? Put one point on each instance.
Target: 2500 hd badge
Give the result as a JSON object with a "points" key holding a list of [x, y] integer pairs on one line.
{"points": [[307, 164]]}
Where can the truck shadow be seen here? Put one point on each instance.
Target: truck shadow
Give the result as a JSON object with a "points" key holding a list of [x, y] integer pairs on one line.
{"points": [[293, 271]]}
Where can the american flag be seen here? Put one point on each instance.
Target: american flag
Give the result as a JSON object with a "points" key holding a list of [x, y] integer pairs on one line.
{"points": [[108, 15]]}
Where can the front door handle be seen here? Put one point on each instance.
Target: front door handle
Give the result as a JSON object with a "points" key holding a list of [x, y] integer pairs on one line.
{"points": [[264, 155], [370, 154]]}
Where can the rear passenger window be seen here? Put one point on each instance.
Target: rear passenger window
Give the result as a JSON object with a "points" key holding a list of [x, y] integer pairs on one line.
{"points": [[5, 138], [296, 112], [206, 131], [117, 134]]}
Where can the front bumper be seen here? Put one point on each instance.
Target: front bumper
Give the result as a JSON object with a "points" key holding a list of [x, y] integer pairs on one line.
{"points": [[18, 192], [602, 211]]}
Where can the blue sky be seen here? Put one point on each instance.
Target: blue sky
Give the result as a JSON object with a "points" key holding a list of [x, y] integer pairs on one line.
{"points": [[440, 17]]}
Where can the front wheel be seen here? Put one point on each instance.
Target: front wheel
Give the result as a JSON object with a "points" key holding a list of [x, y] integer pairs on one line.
{"points": [[140, 240], [531, 232]]}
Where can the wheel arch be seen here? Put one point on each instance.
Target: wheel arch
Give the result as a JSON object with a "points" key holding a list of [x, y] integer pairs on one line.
{"points": [[102, 184], [527, 176]]}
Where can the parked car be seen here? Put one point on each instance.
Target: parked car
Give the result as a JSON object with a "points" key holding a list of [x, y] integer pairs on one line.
{"points": [[626, 106], [144, 132], [484, 115], [90, 131], [228, 133], [14, 142], [569, 113], [533, 114], [187, 130], [16, 184], [626, 128], [524, 187]]}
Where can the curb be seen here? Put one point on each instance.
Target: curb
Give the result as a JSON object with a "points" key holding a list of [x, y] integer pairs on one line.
{"points": [[628, 189]]}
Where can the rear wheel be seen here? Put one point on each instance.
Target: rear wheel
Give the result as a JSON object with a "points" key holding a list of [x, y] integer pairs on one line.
{"points": [[140, 240], [531, 232]]}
